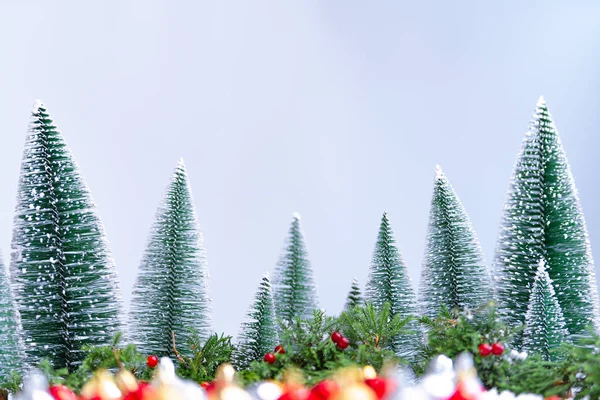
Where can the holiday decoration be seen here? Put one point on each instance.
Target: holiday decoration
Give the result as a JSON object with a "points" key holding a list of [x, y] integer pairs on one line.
{"points": [[454, 271], [343, 343], [61, 392], [497, 349], [170, 295], [336, 337], [279, 349], [152, 361], [10, 343], [485, 349], [544, 323], [63, 275], [543, 219], [259, 334], [354, 297], [294, 289], [269, 358], [389, 282]]}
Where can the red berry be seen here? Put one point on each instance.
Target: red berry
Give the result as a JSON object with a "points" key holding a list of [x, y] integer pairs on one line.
{"points": [[269, 358], [152, 361], [336, 337], [378, 385], [497, 349], [485, 349], [279, 350], [61, 392], [343, 343]]}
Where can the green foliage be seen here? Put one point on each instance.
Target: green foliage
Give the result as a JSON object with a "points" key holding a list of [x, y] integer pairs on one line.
{"points": [[543, 219], [310, 350], [206, 356], [62, 272], [452, 333], [259, 334], [171, 293], [112, 357], [389, 282], [454, 272], [354, 298], [294, 288]]}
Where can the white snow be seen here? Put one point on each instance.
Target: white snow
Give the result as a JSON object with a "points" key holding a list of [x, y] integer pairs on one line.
{"points": [[296, 216], [439, 174], [541, 102], [36, 105]]}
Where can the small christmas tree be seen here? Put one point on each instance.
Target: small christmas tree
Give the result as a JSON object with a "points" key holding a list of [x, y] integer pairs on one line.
{"points": [[10, 344], [544, 323], [389, 282], [170, 295], [354, 297], [258, 335], [62, 271], [543, 219], [294, 289], [454, 272]]}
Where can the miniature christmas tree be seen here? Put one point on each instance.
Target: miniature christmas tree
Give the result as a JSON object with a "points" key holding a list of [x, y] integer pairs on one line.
{"points": [[258, 335], [543, 219], [62, 271], [294, 289], [10, 344], [354, 297], [454, 272], [170, 296], [544, 323], [389, 282]]}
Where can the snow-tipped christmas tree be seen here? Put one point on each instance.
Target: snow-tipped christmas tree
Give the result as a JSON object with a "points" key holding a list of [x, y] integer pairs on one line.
{"points": [[389, 282], [454, 271], [171, 295], [544, 323], [543, 219], [10, 343], [62, 271], [258, 335], [354, 297], [294, 288]]}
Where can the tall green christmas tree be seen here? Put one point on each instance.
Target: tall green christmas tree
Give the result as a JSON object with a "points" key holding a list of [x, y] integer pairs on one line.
{"points": [[389, 282], [10, 343], [454, 272], [354, 297], [62, 272], [294, 290], [259, 334], [171, 295], [545, 329], [543, 219]]}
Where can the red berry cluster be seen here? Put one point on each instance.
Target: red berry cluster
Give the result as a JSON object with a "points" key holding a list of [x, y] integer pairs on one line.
{"points": [[340, 341], [270, 357], [485, 349]]}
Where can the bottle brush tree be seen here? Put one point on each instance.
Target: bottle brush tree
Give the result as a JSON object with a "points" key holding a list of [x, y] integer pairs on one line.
{"points": [[170, 296], [259, 334], [62, 272], [294, 290], [354, 296], [454, 273], [543, 219], [545, 328], [10, 343], [389, 282]]}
